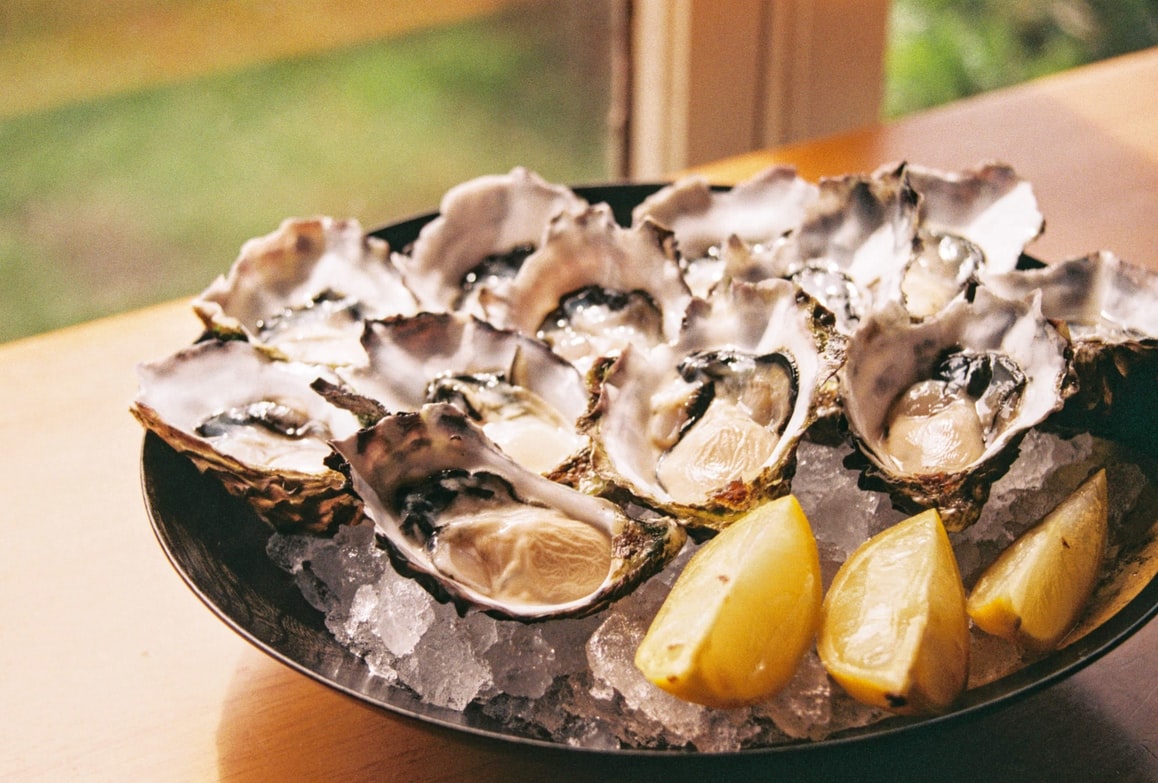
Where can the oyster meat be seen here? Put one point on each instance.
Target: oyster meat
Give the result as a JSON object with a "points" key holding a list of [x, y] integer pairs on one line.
{"points": [[707, 426], [303, 291], [253, 422], [480, 530], [937, 407]]}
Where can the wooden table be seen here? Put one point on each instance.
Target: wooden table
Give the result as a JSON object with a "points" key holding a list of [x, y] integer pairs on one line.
{"points": [[110, 669]]}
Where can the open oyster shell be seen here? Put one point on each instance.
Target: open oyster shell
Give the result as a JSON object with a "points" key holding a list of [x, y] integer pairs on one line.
{"points": [[1107, 307], [526, 398], [593, 287], [254, 423], [971, 223], [937, 407], [303, 290], [486, 227], [707, 426], [990, 206], [757, 212], [855, 238], [481, 531]]}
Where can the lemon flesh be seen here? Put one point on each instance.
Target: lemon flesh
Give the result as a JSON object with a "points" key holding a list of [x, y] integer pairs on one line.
{"points": [[742, 614], [1036, 589], [894, 632]]}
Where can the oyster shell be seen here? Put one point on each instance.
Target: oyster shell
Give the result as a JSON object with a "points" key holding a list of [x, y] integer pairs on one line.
{"points": [[937, 407], [485, 229], [594, 287], [990, 206], [479, 530], [1107, 307], [855, 239], [707, 426], [971, 222], [303, 290], [526, 398], [757, 212], [254, 423]]}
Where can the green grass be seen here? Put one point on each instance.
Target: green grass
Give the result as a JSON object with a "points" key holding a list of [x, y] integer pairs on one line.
{"points": [[143, 197]]}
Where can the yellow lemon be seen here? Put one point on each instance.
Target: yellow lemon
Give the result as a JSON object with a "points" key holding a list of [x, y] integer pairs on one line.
{"points": [[1035, 590], [742, 614], [894, 631]]}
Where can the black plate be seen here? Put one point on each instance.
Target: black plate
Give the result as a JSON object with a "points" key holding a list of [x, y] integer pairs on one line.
{"points": [[217, 545]]}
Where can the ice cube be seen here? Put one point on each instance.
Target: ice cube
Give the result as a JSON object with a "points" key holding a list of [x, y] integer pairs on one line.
{"points": [[406, 612], [445, 670], [842, 515]]}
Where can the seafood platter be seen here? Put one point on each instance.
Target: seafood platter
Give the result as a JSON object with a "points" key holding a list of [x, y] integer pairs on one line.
{"points": [[452, 466]]}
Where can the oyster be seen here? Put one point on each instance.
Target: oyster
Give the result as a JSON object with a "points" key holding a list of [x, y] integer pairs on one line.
{"points": [[707, 427], [1107, 306], [1100, 297], [526, 398], [937, 407], [989, 206], [477, 529], [303, 290], [971, 222], [594, 287], [485, 230], [757, 212], [855, 239], [254, 423]]}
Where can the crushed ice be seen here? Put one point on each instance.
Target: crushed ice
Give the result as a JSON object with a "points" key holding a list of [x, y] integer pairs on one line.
{"points": [[573, 681]]}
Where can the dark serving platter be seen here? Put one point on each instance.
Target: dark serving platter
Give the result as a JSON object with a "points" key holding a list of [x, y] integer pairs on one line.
{"points": [[218, 546]]}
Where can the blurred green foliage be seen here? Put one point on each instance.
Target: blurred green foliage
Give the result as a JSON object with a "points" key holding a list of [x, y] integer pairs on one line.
{"points": [[940, 50]]}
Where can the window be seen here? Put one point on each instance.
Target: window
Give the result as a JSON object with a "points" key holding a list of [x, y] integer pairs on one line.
{"points": [[721, 77]]}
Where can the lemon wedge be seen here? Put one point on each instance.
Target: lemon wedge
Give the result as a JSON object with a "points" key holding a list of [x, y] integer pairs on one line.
{"points": [[894, 631], [1035, 590], [742, 614]]}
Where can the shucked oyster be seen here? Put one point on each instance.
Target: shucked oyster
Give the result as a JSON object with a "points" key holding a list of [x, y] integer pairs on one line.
{"points": [[938, 407], [855, 238], [756, 212], [526, 398], [904, 234], [476, 528], [972, 222], [1107, 306], [708, 426], [302, 291], [989, 206], [485, 229], [594, 287], [254, 423]]}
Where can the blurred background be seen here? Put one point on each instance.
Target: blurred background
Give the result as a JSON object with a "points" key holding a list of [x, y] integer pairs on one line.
{"points": [[142, 141]]}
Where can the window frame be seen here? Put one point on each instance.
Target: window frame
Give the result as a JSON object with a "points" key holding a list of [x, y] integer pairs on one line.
{"points": [[712, 78]]}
